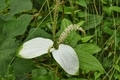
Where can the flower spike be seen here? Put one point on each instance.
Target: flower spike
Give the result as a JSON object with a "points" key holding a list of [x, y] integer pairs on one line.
{"points": [[67, 31]]}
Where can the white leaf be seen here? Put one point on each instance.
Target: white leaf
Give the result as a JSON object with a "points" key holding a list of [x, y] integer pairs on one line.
{"points": [[35, 47], [66, 58]]}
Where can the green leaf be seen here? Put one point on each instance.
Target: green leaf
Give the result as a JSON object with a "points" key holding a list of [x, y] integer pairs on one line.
{"points": [[49, 76], [73, 38], [1, 25], [6, 17], [2, 5], [104, 1], [16, 6], [92, 21], [117, 67], [108, 30], [39, 72], [26, 17], [37, 32], [64, 24], [83, 14], [115, 8], [22, 66], [88, 48], [97, 75], [68, 10], [82, 3], [117, 76], [86, 38], [7, 53], [107, 63], [17, 27], [88, 62], [20, 5], [117, 21], [107, 10], [8, 46], [80, 23], [4, 63]]}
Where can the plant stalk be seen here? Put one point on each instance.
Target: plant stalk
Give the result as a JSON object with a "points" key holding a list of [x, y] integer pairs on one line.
{"points": [[55, 16]]}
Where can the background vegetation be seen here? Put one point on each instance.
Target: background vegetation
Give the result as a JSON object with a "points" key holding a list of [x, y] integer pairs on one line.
{"points": [[98, 50]]}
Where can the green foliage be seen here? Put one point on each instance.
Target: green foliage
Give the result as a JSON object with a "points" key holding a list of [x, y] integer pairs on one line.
{"points": [[86, 38], [64, 23], [19, 6], [3, 4], [6, 53], [82, 3], [8, 43], [38, 32], [88, 48], [22, 67], [92, 21], [87, 61], [17, 27], [115, 8], [42, 74], [98, 50]]}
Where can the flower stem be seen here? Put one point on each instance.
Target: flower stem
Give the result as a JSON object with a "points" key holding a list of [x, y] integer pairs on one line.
{"points": [[55, 13]]}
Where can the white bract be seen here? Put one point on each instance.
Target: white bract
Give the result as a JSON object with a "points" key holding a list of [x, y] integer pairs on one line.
{"points": [[64, 55]]}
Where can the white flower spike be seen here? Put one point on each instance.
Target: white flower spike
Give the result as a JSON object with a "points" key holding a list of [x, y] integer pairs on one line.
{"points": [[65, 55]]}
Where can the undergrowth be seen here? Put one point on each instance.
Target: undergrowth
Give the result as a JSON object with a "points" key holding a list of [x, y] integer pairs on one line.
{"points": [[98, 49]]}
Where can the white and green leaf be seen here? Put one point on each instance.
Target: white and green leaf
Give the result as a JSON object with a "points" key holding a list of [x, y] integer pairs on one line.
{"points": [[35, 47], [66, 58]]}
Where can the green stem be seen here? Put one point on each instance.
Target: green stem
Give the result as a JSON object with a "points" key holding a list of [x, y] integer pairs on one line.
{"points": [[56, 72]]}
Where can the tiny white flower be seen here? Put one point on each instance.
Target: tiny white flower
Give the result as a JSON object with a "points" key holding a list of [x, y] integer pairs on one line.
{"points": [[64, 55]]}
